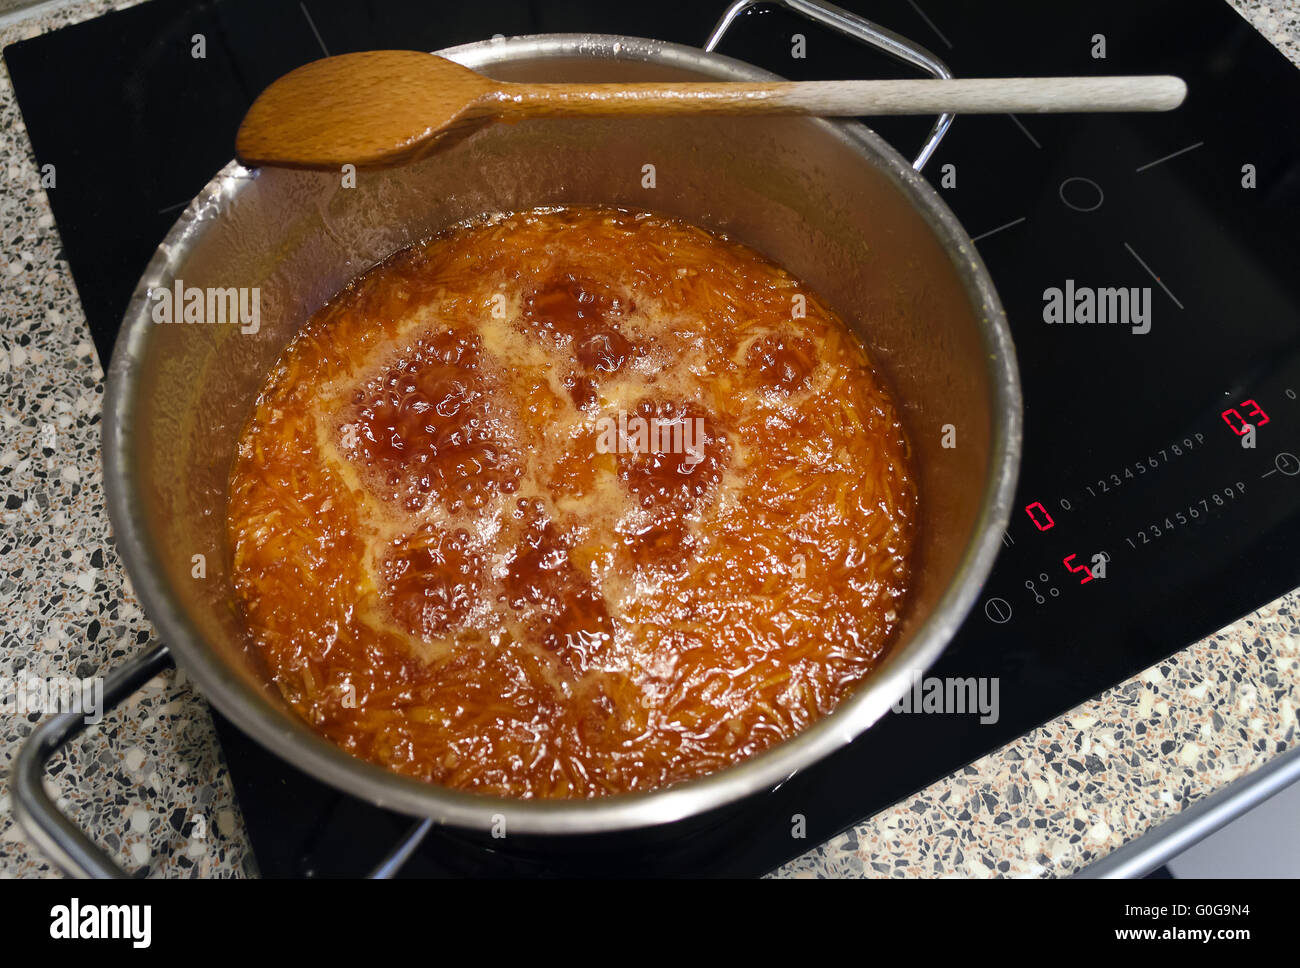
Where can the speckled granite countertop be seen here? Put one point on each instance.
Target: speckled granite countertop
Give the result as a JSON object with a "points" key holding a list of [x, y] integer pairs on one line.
{"points": [[1046, 805]]}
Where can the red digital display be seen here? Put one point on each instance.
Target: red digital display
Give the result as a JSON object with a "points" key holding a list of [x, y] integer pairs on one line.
{"points": [[1038, 514], [1087, 572], [1254, 416]]}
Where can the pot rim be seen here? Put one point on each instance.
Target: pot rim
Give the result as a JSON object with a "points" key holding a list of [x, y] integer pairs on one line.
{"points": [[300, 746]]}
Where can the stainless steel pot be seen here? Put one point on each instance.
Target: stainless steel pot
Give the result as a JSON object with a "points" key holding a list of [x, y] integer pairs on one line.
{"points": [[831, 202]]}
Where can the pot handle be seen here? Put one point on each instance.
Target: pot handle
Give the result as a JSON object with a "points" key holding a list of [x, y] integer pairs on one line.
{"points": [[865, 32], [57, 836], [63, 841]]}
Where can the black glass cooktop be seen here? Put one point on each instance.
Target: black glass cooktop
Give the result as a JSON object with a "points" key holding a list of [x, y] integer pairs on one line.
{"points": [[1134, 430]]}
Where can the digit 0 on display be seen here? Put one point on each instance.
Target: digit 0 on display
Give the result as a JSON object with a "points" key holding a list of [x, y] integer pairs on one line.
{"points": [[1038, 514]]}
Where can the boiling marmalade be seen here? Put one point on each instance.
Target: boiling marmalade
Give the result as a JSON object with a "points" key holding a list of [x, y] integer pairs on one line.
{"points": [[570, 502]]}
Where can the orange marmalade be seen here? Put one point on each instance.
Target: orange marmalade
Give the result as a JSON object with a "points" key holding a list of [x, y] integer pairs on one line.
{"points": [[570, 502]]}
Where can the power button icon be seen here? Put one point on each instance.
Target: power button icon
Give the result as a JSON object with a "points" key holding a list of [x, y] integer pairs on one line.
{"points": [[998, 610]]}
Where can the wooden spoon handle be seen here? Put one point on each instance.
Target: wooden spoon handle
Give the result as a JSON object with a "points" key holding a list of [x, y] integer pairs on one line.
{"points": [[840, 98]]}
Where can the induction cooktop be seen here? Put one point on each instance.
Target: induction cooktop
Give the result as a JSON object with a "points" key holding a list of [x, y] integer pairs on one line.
{"points": [[1159, 498]]}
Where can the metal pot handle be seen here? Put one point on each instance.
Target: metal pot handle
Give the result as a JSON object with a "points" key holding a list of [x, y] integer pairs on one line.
{"points": [[63, 841], [865, 32], [57, 836]]}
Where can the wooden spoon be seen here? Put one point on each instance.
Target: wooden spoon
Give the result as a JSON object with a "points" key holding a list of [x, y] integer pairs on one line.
{"points": [[384, 107]]}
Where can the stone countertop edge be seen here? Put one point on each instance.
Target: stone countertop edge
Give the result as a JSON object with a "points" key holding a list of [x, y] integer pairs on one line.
{"points": [[150, 782]]}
